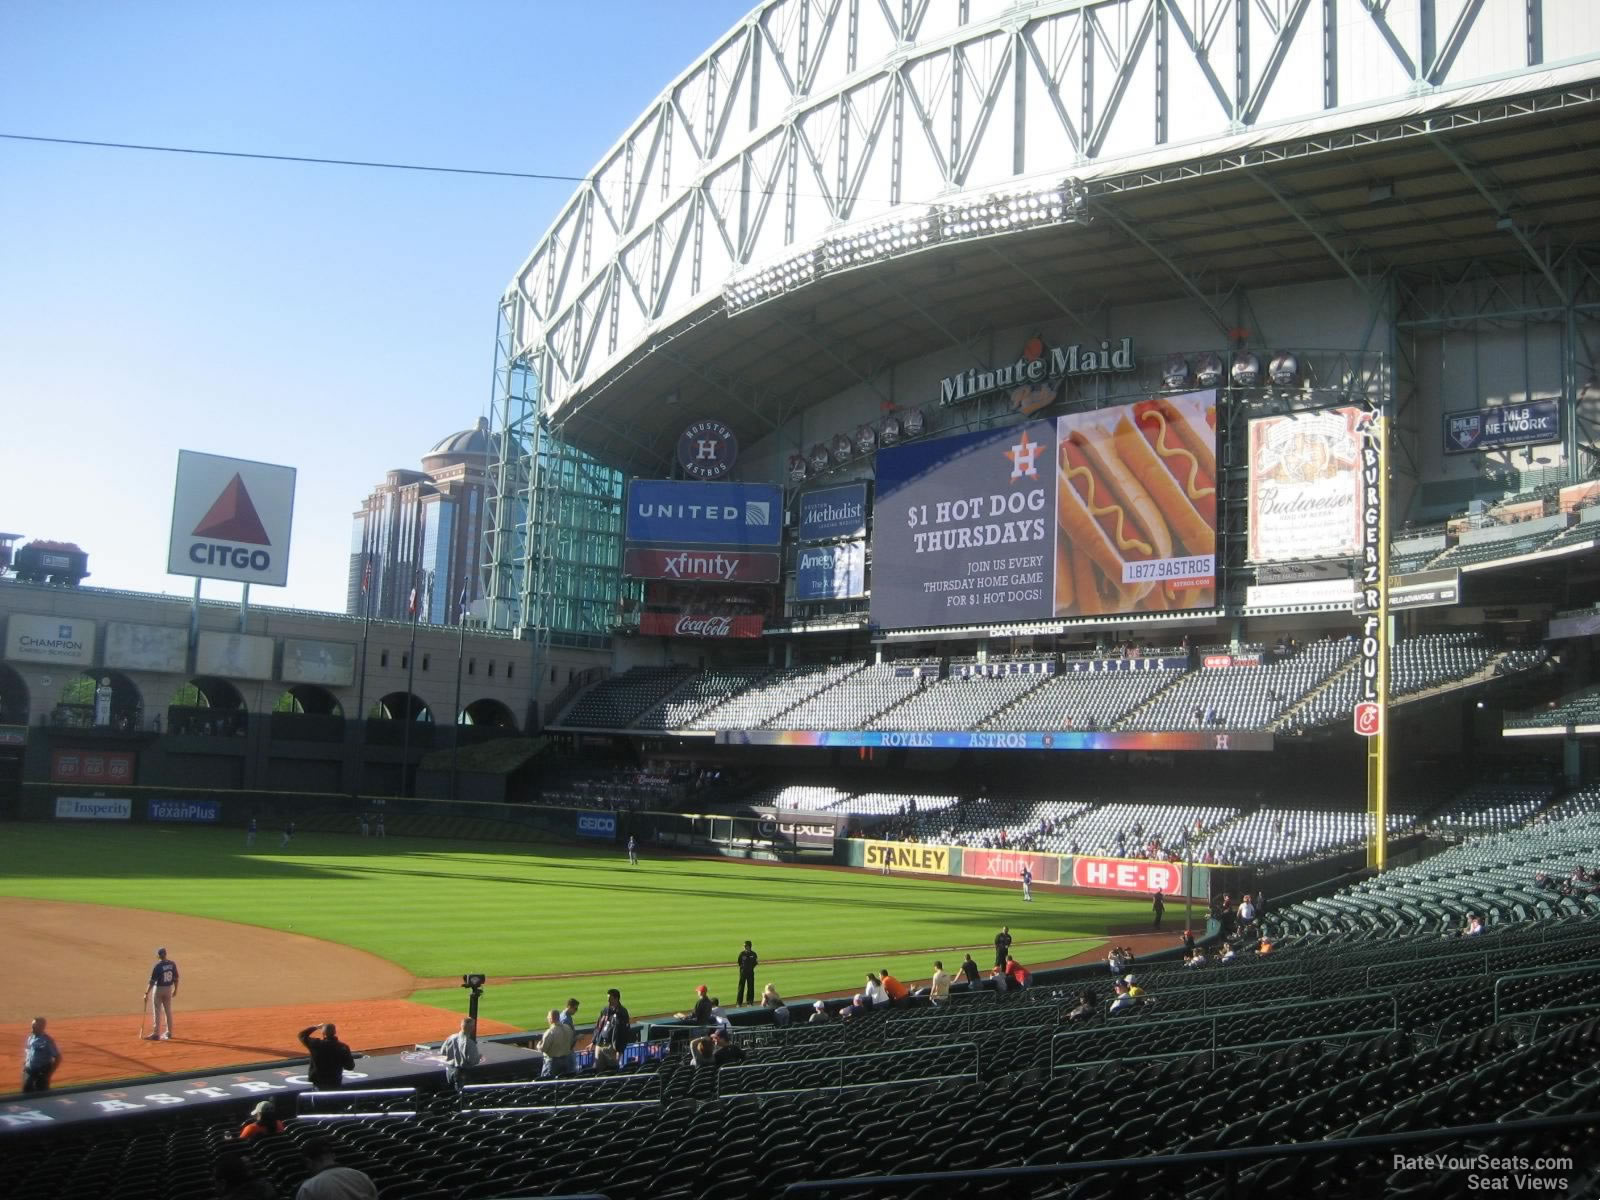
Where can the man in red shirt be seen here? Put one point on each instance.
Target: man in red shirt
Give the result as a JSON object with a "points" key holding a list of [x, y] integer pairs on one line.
{"points": [[1016, 977], [897, 991]]}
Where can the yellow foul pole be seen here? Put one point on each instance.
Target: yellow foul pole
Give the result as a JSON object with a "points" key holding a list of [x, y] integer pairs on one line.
{"points": [[1372, 705]]}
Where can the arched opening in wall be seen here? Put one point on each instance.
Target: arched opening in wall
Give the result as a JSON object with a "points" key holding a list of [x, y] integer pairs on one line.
{"points": [[401, 706], [488, 714], [13, 697], [207, 706], [308, 713], [105, 698], [307, 699]]}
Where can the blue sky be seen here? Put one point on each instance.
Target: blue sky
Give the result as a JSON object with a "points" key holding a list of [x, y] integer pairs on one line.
{"points": [[337, 320]]}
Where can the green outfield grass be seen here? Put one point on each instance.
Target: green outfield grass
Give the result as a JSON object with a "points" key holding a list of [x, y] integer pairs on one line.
{"points": [[439, 909]]}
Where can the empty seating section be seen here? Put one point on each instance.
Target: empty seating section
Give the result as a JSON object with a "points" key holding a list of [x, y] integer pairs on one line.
{"points": [[1581, 708], [1096, 832], [1479, 552], [1242, 697], [879, 804], [616, 703], [1081, 700], [1432, 659], [961, 702], [1027, 823], [852, 701], [1491, 807], [1283, 835], [697, 695], [800, 796], [1580, 803], [1334, 700], [754, 708]]}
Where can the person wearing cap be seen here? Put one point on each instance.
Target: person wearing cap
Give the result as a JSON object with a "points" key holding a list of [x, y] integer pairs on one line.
{"points": [[329, 1181], [724, 1050], [700, 1013], [263, 1122], [748, 961], [820, 1014], [40, 1058], [159, 994], [719, 1019]]}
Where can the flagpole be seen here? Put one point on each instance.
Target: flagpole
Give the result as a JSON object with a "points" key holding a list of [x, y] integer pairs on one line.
{"points": [[411, 671], [361, 691], [455, 729]]}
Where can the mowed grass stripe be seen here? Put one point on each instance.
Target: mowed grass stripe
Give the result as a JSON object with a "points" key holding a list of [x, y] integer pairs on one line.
{"points": [[439, 909]]}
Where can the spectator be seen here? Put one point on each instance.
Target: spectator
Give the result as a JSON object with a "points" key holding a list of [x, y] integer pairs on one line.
{"points": [[330, 1058], [724, 1051], [569, 1013], [1247, 911], [719, 1019], [1084, 1008], [1014, 974], [1188, 942], [263, 1122], [611, 1031], [702, 1052], [969, 971], [40, 1057], [236, 1179], [1120, 1002], [1474, 925], [700, 1014], [876, 996], [556, 1046], [894, 991], [939, 985], [820, 1014], [460, 1050], [331, 1182], [771, 1001]]}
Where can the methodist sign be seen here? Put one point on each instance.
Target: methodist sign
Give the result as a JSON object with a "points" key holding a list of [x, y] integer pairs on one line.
{"points": [[231, 519], [836, 512]]}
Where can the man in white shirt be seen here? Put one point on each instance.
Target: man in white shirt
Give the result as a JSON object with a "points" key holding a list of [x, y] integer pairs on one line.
{"points": [[939, 987], [556, 1046]]}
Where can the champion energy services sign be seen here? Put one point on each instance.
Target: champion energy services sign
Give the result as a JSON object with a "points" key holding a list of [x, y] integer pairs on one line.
{"points": [[60, 640], [231, 519]]}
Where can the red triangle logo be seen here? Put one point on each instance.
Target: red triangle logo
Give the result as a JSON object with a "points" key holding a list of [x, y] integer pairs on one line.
{"points": [[233, 518]]}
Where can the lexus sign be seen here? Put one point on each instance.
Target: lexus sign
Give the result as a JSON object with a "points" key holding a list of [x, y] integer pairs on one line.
{"points": [[231, 519]]}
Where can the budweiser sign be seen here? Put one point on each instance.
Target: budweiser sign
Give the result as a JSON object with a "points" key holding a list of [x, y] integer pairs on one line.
{"points": [[699, 625]]}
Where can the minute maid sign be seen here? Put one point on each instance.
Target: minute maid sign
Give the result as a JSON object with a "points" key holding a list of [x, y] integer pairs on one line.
{"points": [[1036, 365]]}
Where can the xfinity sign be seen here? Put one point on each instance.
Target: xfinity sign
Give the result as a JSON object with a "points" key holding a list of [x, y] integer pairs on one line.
{"points": [[231, 519]]}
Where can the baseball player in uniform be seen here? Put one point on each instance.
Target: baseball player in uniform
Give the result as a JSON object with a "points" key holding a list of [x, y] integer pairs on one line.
{"points": [[633, 852], [160, 992], [1027, 882], [250, 835]]}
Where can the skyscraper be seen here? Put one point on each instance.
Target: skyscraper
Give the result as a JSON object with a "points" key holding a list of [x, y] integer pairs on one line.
{"points": [[423, 530]]}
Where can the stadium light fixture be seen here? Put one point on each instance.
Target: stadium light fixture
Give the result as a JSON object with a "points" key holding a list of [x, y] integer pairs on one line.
{"points": [[773, 280], [1061, 202], [902, 234]]}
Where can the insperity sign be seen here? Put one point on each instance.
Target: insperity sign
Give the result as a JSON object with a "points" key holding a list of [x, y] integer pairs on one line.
{"points": [[231, 519]]}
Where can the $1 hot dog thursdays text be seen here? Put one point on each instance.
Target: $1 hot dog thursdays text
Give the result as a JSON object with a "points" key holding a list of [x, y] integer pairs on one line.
{"points": [[995, 520]]}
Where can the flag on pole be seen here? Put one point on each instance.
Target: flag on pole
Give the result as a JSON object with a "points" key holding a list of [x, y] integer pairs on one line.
{"points": [[411, 604], [366, 577], [461, 605]]}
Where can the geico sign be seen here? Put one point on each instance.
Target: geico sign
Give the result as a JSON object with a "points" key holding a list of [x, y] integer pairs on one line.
{"points": [[597, 824], [1121, 875], [220, 554]]}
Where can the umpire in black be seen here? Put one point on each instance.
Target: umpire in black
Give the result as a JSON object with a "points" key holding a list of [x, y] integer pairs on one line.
{"points": [[747, 975]]}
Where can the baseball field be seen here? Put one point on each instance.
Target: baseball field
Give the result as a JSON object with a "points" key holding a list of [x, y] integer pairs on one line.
{"points": [[376, 934]]}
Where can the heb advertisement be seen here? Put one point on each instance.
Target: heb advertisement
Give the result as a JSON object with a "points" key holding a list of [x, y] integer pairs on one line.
{"points": [[92, 766], [703, 566], [1129, 875], [831, 572], [1007, 865], [1305, 485], [704, 514], [907, 856], [1102, 512], [187, 811], [700, 625], [1504, 425], [836, 512], [93, 808]]}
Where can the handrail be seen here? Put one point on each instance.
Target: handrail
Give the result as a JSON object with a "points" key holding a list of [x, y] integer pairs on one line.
{"points": [[1186, 1162], [846, 1061], [1535, 973]]}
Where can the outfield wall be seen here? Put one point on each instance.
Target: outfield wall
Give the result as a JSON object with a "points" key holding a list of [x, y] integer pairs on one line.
{"points": [[1084, 874]]}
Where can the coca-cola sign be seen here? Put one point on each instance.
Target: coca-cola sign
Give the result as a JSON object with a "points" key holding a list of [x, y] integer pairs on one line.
{"points": [[700, 625]]}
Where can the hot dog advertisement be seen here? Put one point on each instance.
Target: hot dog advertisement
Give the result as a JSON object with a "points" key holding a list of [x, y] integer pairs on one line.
{"points": [[1136, 507], [1102, 512]]}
